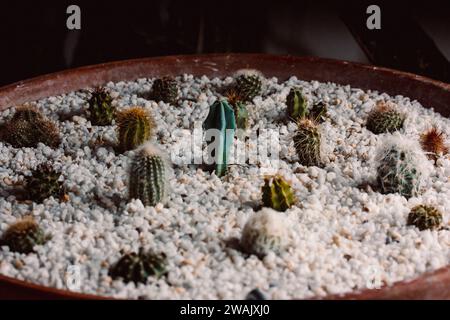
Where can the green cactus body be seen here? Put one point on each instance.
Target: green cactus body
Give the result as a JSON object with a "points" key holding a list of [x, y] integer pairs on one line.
{"points": [[277, 194], [248, 86], [23, 236], [385, 119], [297, 105], [318, 112], [44, 183], [101, 110], [135, 127], [221, 118], [148, 176], [307, 141], [241, 113], [28, 127], [425, 217], [138, 267], [165, 89]]}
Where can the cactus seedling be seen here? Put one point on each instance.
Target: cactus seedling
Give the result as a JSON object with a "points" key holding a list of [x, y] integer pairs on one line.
{"points": [[248, 86], [165, 89], [135, 127], [220, 124], [148, 176], [240, 109], [425, 217], [28, 127], [44, 183], [266, 231], [101, 110], [297, 105], [137, 267], [385, 118], [277, 193], [23, 236], [433, 143], [307, 141]]}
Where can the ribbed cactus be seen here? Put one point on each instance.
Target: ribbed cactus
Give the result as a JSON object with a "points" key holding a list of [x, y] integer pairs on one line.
{"points": [[148, 175], [433, 143], [248, 86], [277, 193], [135, 127], [43, 183], [101, 109], [220, 124], [28, 127], [307, 141], [297, 105], [23, 236], [385, 118], [425, 217], [138, 267], [165, 89]]}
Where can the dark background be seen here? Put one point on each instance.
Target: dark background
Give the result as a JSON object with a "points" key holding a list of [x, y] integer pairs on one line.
{"points": [[414, 36]]}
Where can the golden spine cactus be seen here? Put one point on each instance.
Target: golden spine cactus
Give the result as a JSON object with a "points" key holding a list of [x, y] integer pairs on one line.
{"points": [[433, 143], [135, 126], [385, 118], [277, 193], [308, 144], [425, 217], [23, 236]]}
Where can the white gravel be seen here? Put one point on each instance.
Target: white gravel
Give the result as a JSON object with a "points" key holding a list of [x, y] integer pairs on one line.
{"points": [[342, 237]]}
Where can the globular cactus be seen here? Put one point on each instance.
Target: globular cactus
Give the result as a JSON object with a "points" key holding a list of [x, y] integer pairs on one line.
{"points": [[149, 175], [308, 144], [385, 118], [23, 236], [43, 183], [297, 104], [101, 108], [277, 193], [248, 85], [135, 126], [266, 231], [28, 127], [240, 109], [433, 143], [220, 124], [318, 112], [425, 217], [165, 89], [138, 267]]}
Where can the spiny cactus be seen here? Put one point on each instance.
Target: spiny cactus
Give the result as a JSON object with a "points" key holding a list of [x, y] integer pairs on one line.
{"points": [[297, 105], [240, 109], [264, 232], [44, 183], [307, 141], [433, 143], [23, 236], [385, 118], [220, 124], [28, 127], [165, 89], [137, 267], [248, 86], [425, 217], [148, 175], [101, 109], [277, 193], [318, 112], [135, 127]]}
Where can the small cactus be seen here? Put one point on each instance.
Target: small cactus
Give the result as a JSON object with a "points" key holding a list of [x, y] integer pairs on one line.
{"points": [[297, 105], [135, 127], [221, 118], [23, 236], [44, 183], [165, 89], [28, 127], [101, 109], [240, 109], [266, 231], [385, 118], [307, 141], [318, 112], [137, 267], [433, 143], [148, 176], [425, 217], [248, 86], [277, 193]]}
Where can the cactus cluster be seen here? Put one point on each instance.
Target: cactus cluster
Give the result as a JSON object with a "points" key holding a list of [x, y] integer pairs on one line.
{"points": [[23, 236], [138, 267], [44, 182], [425, 217], [433, 143], [385, 118], [135, 126], [29, 127], [277, 193], [101, 108], [165, 89], [307, 142]]}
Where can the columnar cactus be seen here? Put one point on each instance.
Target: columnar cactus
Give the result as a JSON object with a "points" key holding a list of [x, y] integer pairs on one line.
{"points": [[23, 236], [148, 175], [425, 217], [277, 193], [101, 109], [248, 86], [297, 105], [28, 127], [433, 143], [385, 118], [266, 231], [138, 267], [220, 124], [165, 89], [135, 126], [307, 141], [43, 183]]}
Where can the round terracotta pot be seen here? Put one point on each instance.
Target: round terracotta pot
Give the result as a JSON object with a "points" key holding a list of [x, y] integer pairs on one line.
{"points": [[430, 93]]}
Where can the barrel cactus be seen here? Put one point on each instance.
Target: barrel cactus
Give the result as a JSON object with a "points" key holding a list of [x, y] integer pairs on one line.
{"points": [[385, 118], [135, 127], [425, 217], [277, 193], [138, 267], [165, 89], [307, 141], [28, 127], [248, 84], [23, 236], [44, 182], [149, 175], [297, 104], [101, 108], [433, 143]]}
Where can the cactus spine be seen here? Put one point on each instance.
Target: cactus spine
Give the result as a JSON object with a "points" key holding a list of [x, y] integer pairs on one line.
{"points": [[165, 89], [297, 105], [135, 127], [277, 193], [433, 143], [44, 183], [23, 236], [385, 118], [101, 109], [307, 141], [425, 217]]}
